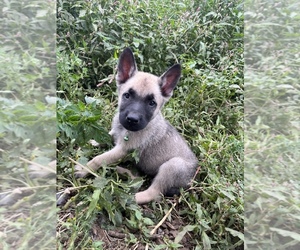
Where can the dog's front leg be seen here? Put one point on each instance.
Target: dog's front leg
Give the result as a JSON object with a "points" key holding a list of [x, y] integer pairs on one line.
{"points": [[107, 158]]}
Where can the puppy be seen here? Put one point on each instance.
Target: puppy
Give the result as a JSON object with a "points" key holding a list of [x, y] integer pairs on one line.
{"points": [[139, 125]]}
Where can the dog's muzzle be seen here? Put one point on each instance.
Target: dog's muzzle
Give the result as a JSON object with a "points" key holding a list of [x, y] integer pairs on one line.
{"points": [[132, 121]]}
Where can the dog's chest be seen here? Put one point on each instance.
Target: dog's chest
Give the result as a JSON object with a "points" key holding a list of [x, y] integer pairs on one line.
{"points": [[155, 154]]}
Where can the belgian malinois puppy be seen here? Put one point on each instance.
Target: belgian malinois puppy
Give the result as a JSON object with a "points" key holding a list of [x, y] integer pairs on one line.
{"points": [[139, 125]]}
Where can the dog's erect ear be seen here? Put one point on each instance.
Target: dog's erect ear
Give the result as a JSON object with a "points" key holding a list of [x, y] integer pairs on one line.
{"points": [[169, 79], [126, 66]]}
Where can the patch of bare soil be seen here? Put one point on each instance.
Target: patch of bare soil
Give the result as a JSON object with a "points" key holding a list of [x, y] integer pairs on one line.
{"points": [[115, 239]]}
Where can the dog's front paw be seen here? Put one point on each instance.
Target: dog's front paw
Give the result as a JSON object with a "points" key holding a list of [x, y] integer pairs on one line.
{"points": [[80, 172], [147, 196]]}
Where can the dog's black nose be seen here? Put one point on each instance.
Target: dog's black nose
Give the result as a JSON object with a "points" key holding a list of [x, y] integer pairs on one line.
{"points": [[133, 119]]}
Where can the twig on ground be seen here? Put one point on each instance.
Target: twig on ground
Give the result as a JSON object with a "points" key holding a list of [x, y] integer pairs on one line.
{"points": [[153, 231]]}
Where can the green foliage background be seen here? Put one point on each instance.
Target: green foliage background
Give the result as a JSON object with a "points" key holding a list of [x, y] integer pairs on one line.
{"points": [[27, 124], [272, 125], [206, 37]]}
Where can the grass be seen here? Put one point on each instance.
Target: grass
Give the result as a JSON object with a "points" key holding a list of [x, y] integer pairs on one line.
{"points": [[207, 108]]}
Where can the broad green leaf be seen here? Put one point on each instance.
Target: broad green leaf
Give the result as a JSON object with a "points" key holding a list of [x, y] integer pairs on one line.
{"points": [[181, 234], [93, 203], [148, 221], [118, 218], [206, 241], [100, 182], [199, 211], [286, 233], [228, 194], [138, 215], [235, 233]]}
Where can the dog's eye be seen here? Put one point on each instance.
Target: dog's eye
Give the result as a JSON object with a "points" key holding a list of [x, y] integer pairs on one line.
{"points": [[126, 95], [152, 103]]}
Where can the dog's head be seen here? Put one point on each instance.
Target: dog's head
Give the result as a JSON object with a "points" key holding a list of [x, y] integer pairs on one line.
{"points": [[142, 95]]}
